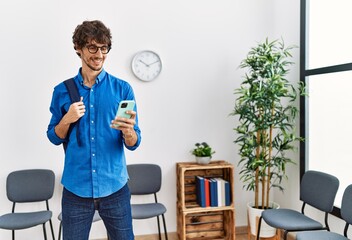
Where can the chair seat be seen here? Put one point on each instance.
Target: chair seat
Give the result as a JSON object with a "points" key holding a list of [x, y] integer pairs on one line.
{"points": [[319, 235], [289, 220], [148, 210], [96, 217], [16, 221]]}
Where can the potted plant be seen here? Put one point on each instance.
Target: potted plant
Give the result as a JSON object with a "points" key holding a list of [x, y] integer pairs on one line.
{"points": [[265, 106], [203, 153]]}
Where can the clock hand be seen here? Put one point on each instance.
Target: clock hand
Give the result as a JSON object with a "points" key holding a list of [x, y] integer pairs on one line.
{"points": [[144, 63], [153, 62]]}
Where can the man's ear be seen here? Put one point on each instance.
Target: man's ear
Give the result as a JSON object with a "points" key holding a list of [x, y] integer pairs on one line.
{"points": [[77, 52]]}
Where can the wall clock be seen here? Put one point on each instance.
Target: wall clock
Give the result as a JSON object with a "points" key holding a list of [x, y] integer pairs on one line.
{"points": [[146, 65]]}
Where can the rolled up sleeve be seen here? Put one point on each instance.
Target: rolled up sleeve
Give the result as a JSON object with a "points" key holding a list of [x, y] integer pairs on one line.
{"points": [[56, 115]]}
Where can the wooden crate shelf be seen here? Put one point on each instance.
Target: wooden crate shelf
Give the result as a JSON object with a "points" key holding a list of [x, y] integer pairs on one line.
{"points": [[195, 222]]}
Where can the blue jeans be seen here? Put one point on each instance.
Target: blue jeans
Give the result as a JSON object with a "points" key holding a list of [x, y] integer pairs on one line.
{"points": [[114, 210]]}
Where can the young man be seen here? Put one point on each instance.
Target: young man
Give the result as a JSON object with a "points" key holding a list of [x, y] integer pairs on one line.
{"points": [[95, 174]]}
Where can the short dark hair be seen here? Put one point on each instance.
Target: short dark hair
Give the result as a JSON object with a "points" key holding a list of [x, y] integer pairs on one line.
{"points": [[91, 30]]}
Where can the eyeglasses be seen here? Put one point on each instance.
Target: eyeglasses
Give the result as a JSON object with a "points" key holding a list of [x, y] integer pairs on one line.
{"points": [[94, 49]]}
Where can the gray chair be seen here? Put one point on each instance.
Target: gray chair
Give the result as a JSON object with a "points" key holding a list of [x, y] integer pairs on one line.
{"points": [[145, 179], [28, 186], [346, 214], [318, 190], [96, 218]]}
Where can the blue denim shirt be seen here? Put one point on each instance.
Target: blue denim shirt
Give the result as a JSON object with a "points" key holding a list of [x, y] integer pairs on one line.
{"points": [[97, 167]]}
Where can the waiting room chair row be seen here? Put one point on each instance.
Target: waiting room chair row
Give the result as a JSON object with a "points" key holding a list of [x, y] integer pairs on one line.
{"points": [[318, 190], [37, 185]]}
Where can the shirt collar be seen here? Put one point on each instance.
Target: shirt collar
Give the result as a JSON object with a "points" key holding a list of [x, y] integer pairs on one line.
{"points": [[99, 78]]}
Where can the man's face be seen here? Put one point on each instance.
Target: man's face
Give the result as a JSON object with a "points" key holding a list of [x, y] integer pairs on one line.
{"points": [[93, 55]]}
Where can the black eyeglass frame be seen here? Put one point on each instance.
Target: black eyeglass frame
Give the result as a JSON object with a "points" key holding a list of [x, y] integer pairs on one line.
{"points": [[89, 48]]}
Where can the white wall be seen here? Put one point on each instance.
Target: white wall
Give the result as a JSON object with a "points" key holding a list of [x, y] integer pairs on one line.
{"points": [[201, 43]]}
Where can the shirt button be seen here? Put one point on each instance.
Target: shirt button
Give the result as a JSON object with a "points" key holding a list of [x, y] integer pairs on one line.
{"points": [[93, 170], [92, 122], [93, 154], [91, 105], [92, 138]]}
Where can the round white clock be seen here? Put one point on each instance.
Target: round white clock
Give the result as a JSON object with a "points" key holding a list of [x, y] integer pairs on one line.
{"points": [[146, 65]]}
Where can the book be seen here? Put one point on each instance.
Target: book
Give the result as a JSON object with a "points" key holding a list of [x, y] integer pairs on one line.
{"points": [[224, 192], [213, 192], [200, 191], [207, 192], [221, 192], [227, 193]]}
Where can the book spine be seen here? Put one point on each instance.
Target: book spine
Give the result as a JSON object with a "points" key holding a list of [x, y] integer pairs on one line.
{"points": [[227, 193], [207, 192], [220, 192], [200, 191], [213, 193]]}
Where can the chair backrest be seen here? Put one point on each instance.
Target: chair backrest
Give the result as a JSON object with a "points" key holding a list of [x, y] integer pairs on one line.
{"points": [[346, 206], [319, 189], [32, 185], [144, 178]]}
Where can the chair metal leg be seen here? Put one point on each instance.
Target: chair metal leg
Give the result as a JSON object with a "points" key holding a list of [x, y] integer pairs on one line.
{"points": [[52, 229], [44, 231], [13, 234], [157, 218], [60, 229], [285, 235], [165, 231], [258, 230]]}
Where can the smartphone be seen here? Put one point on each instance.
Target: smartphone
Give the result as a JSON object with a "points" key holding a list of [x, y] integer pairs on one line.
{"points": [[125, 105]]}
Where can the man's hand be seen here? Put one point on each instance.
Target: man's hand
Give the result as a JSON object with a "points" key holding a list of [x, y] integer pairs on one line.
{"points": [[126, 125], [75, 112]]}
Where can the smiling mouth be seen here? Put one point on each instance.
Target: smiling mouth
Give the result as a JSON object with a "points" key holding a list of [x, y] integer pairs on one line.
{"points": [[97, 60]]}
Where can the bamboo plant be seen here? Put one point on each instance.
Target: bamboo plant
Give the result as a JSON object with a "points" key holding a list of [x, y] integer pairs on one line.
{"points": [[266, 108]]}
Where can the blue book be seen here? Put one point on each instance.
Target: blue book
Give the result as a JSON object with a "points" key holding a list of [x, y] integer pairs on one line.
{"points": [[213, 192], [227, 193], [200, 191]]}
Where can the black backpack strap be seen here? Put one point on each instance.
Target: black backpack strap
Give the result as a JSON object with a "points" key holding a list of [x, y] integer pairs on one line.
{"points": [[75, 97], [72, 90]]}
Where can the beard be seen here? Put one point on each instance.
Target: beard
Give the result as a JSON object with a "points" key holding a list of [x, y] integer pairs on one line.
{"points": [[94, 67]]}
